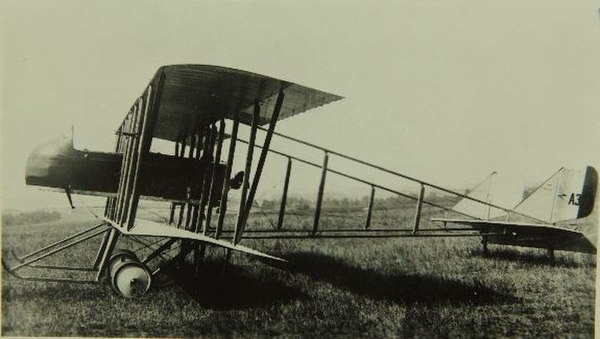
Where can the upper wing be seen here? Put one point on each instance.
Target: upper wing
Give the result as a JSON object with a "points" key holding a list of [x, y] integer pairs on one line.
{"points": [[198, 95], [530, 235]]}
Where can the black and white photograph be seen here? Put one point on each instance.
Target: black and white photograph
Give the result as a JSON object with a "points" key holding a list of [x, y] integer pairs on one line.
{"points": [[262, 168]]}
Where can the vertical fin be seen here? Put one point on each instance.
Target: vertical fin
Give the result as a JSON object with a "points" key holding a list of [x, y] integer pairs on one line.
{"points": [[480, 192], [540, 202], [568, 194], [494, 189]]}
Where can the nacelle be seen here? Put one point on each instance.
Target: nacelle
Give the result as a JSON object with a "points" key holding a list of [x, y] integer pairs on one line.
{"points": [[57, 165]]}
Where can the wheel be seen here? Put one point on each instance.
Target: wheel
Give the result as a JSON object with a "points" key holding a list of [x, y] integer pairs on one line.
{"points": [[130, 278], [120, 256]]}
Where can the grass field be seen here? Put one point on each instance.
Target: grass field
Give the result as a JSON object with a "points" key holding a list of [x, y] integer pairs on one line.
{"points": [[409, 287]]}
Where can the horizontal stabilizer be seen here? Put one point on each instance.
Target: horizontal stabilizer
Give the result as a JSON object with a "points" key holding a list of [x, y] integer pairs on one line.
{"points": [[155, 229], [529, 235]]}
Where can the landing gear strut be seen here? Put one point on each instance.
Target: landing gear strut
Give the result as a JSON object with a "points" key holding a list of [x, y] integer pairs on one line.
{"points": [[551, 253], [484, 242]]}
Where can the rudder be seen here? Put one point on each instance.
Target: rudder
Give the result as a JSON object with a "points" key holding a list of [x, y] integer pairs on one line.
{"points": [[588, 193]]}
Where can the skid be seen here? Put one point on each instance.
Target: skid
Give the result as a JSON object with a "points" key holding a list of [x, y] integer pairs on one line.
{"points": [[29, 260]]}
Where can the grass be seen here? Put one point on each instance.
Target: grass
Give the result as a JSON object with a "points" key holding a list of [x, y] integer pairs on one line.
{"points": [[408, 287]]}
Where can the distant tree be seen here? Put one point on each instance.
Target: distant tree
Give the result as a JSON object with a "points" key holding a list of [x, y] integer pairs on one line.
{"points": [[345, 203], [8, 219], [302, 205], [269, 204]]}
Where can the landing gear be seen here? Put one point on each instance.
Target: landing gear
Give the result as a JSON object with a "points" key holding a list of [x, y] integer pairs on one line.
{"points": [[551, 253], [128, 276]]}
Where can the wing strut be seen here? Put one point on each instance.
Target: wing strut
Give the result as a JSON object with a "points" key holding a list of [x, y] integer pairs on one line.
{"points": [[230, 155], [259, 167], [248, 168]]}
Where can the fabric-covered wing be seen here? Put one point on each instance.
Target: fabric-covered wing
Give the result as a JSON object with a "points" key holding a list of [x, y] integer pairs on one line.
{"points": [[154, 229], [194, 96], [530, 235]]}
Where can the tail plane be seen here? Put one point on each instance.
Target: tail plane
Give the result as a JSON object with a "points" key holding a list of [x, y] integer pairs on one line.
{"points": [[563, 207], [566, 195]]}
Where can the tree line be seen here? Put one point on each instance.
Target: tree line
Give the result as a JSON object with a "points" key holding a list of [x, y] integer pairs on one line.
{"points": [[303, 204]]}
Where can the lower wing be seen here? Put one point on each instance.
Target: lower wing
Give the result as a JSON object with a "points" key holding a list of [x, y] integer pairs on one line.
{"points": [[155, 229]]}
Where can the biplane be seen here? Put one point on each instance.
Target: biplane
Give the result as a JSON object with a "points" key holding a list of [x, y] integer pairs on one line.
{"points": [[200, 110]]}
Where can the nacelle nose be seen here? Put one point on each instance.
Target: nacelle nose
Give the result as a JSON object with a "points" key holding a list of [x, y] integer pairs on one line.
{"points": [[44, 166]]}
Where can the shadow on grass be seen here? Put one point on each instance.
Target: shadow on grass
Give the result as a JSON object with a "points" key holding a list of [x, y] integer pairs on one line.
{"points": [[395, 287], [532, 258], [233, 288]]}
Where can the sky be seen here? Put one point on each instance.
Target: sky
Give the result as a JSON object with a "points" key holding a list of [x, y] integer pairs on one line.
{"points": [[443, 91]]}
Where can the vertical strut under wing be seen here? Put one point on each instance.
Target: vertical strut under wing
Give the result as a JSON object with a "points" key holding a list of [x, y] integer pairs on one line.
{"points": [[259, 167]]}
